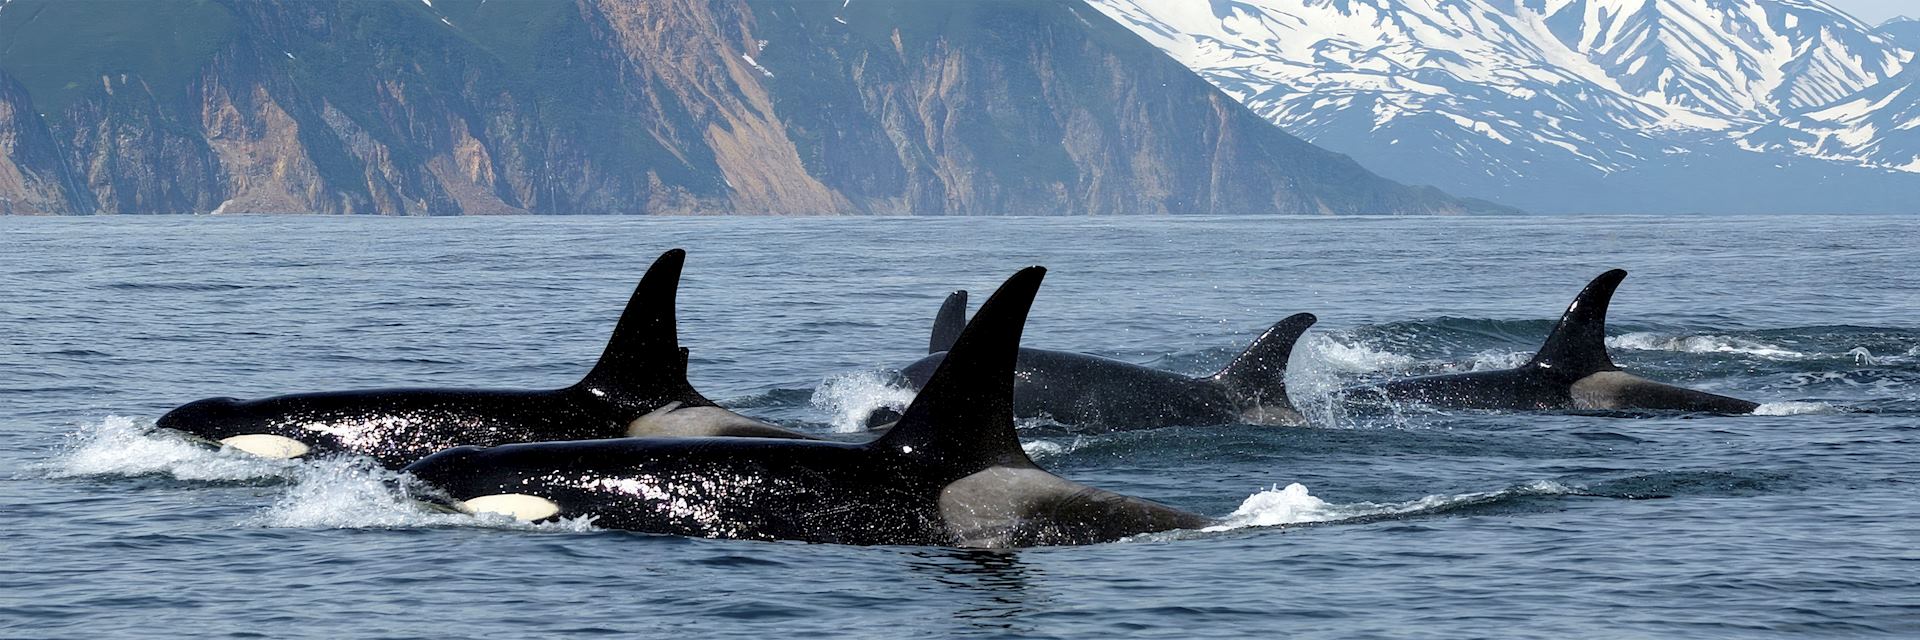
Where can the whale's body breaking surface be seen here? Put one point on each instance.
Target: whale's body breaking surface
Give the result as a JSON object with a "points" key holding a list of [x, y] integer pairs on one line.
{"points": [[1571, 371], [951, 472], [639, 387], [1093, 393]]}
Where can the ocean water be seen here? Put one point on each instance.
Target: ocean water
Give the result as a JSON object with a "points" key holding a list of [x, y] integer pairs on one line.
{"points": [[1802, 522]]}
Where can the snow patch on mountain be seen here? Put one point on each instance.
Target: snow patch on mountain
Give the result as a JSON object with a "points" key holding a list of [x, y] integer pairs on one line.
{"points": [[1535, 92]]}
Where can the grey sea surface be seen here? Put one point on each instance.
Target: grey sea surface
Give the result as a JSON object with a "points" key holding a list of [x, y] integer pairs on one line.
{"points": [[1803, 522]]}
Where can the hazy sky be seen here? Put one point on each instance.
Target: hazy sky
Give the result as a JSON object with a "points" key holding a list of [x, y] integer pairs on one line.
{"points": [[1877, 11]]}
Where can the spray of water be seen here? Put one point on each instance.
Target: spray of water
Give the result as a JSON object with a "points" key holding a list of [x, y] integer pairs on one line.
{"points": [[123, 446], [848, 398], [1644, 341], [1294, 505], [355, 493], [1043, 450], [1795, 409]]}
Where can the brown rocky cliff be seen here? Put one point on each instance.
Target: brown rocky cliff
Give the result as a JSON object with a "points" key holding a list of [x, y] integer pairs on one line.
{"points": [[1037, 107], [702, 55], [33, 178], [666, 106]]}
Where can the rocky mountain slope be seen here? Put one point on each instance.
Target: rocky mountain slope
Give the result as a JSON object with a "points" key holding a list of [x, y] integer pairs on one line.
{"points": [[665, 106], [1563, 105]]}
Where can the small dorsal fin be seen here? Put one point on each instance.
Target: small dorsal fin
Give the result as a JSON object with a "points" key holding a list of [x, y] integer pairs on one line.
{"points": [[962, 421], [1260, 372], [947, 325], [1578, 344], [644, 366]]}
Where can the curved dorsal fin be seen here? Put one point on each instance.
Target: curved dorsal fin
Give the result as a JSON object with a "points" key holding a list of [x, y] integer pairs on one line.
{"points": [[1260, 372], [962, 421], [643, 366], [947, 325], [1578, 344]]}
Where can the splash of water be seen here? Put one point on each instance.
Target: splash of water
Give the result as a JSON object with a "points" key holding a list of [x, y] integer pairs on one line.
{"points": [[1644, 341], [1792, 408], [355, 493], [1497, 360], [1355, 357], [124, 446], [848, 398], [1295, 505], [1040, 450]]}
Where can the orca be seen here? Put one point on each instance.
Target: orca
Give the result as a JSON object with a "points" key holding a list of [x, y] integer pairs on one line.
{"points": [[1091, 393], [638, 388], [950, 473], [1571, 371]]}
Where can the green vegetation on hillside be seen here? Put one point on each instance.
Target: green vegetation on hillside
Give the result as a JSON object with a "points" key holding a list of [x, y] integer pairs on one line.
{"points": [[59, 49]]}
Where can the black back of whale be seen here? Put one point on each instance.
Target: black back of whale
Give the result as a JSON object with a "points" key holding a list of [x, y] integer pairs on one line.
{"points": [[1100, 394], [1572, 370], [642, 370], [951, 472]]}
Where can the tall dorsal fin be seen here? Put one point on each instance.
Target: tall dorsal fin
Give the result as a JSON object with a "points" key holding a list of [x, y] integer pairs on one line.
{"points": [[643, 366], [947, 325], [1260, 372], [1578, 345], [962, 421]]}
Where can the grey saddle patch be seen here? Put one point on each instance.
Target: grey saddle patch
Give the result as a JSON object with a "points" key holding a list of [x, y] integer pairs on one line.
{"points": [[1605, 390], [1609, 390], [1272, 416], [1003, 507], [673, 421]]}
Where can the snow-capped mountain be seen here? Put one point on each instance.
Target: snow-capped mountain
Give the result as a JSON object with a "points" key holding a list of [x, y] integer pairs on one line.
{"points": [[1902, 30], [1729, 58], [1876, 127], [1553, 105]]}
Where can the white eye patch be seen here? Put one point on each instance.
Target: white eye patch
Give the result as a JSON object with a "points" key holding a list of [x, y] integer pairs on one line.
{"points": [[267, 445], [518, 506]]}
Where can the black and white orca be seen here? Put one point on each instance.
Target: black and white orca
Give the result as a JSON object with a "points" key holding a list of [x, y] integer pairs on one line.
{"points": [[638, 388], [1092, 393], [950, 473], [1572, 371]]}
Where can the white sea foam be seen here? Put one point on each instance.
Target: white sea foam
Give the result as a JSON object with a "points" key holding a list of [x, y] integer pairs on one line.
{"points": [[848, 398], [1356, 357], [1794, 408], [1496, 360], [1324, 364], [1863, 357], [123, 446], [1644, 341], [1294, 505], [354, 493], [1040, 450]]}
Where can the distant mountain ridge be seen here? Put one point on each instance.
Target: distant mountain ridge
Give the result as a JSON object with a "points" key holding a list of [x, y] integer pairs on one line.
{"points": [[606, 106], [1567, 105], [1903, 30]]}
